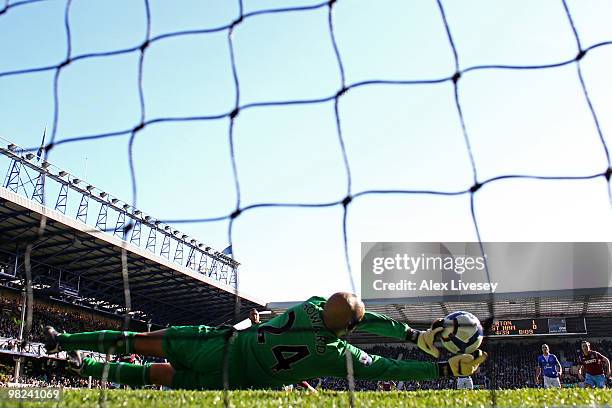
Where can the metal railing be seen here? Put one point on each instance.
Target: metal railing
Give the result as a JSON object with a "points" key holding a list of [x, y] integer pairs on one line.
{"points": [[31, 176]]}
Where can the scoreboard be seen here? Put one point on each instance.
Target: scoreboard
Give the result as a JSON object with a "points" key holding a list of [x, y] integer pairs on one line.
{"points": [[539, 326]]}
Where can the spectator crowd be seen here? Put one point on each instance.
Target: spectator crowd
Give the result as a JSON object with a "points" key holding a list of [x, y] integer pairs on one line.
{"points": [[68, 318]]}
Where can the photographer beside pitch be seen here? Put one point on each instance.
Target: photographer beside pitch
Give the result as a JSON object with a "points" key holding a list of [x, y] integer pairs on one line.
{"points": [[304, 342]]}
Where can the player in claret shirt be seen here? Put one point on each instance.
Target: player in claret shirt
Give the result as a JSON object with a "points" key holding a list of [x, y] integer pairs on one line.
{"points": [[304, 342], [596, 365]]}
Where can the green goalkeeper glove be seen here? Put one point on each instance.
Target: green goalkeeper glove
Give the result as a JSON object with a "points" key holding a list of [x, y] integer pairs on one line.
{"points": [[462, 365], [425, 339]]}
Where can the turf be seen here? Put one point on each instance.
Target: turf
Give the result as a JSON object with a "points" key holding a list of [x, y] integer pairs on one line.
{"points": [[264, 399]]}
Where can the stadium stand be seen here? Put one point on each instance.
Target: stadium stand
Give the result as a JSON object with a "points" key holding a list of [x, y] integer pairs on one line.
{"points": [[66, 317]]}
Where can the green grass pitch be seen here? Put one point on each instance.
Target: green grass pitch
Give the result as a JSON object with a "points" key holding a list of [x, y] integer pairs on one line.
{"points": [[277, 399]]}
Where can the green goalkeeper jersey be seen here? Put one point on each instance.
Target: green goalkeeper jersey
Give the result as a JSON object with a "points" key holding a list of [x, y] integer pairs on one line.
{"points": [[297, 346]]}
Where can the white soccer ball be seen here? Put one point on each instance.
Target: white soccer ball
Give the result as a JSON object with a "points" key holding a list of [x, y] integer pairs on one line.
{"points": [[462, 333]]}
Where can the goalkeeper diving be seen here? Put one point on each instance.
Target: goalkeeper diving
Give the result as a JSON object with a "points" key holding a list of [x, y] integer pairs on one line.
{"points": [[304, 342]]}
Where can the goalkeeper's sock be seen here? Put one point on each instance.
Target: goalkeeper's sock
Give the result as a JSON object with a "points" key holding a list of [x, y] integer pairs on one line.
{"points": [[117, 342], [122, 373]]}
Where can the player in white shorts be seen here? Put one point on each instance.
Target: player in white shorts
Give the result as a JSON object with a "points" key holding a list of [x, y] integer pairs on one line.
{"points": [[549, 367]]}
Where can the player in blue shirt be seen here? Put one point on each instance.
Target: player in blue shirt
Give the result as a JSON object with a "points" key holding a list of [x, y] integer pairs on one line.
{"points": [[549, 366]]}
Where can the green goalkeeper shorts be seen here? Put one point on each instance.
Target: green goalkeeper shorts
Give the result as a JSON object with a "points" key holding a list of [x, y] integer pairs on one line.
{"points": [[197, 355]]}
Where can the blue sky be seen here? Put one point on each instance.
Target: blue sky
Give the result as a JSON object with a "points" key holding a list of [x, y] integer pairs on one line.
{"points": [[397, 137]]}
